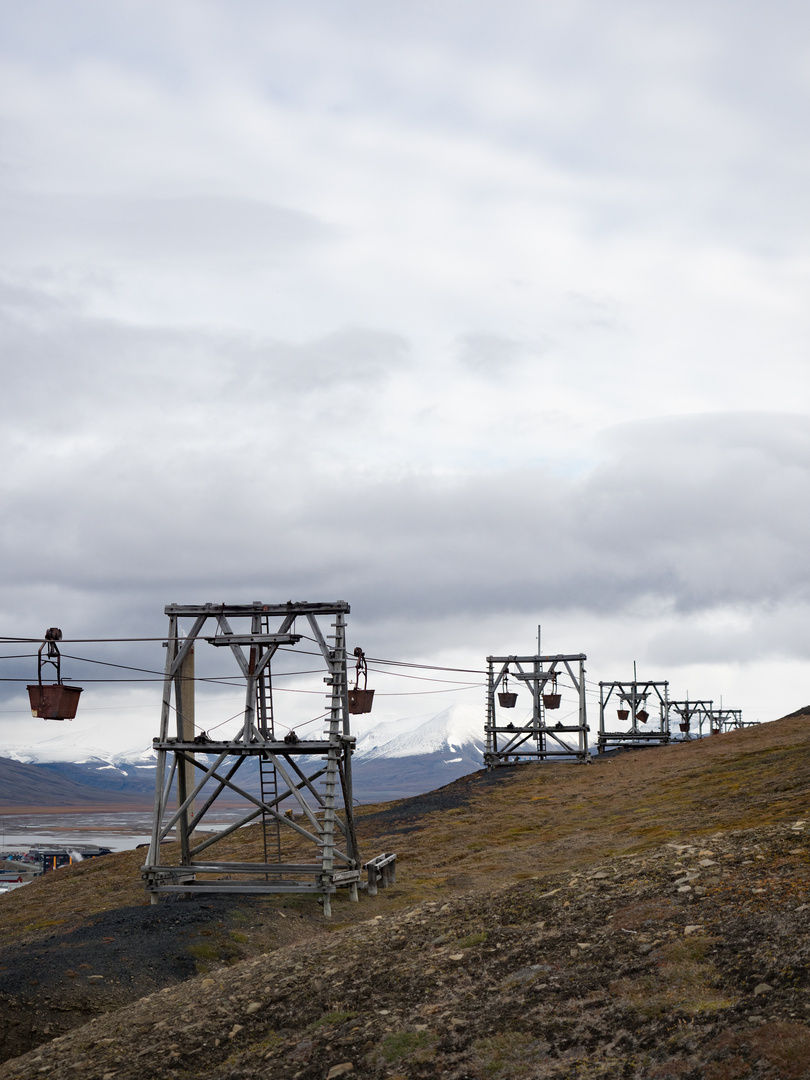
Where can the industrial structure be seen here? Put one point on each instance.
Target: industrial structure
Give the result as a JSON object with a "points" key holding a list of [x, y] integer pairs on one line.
{"points": [[634, 701], [692, 716], [311, 775], [534, 735], [723, 719]]}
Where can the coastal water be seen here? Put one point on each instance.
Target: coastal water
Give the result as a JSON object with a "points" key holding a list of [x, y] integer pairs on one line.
{"points": [[112, 829]]}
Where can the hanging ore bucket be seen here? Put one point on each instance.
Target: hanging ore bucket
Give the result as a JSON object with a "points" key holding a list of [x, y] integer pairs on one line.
{"points": [[360, 700], [642, 716], [52, 701], [684, 727], [622, 713], [552, 700], [507, 698]]}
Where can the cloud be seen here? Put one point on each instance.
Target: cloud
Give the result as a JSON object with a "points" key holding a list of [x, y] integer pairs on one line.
{"points": [[155, 229], [148, 485], [473, 316]]}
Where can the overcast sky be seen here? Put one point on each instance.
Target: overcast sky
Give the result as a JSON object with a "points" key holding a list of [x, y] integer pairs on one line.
{"points": [[477, 315]]}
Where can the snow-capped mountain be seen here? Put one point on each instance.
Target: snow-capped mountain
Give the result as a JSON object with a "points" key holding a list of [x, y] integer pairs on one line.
{"points": [[417, 754], [77, 743], [78, 753], [456, 729], [393, 759]]}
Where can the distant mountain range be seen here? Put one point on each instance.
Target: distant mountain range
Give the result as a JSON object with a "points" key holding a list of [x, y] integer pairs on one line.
{"points": [[393, 760], [33, 786]]}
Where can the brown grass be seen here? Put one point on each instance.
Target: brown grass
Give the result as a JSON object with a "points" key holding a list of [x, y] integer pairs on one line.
{"points": [[536, 820], [684, 980]]}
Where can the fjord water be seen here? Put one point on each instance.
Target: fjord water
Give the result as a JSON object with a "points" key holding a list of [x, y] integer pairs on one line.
{"points": [[118, 830]]}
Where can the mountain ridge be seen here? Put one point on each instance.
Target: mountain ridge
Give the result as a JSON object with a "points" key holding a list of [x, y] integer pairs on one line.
{"points": [[394, 759]]}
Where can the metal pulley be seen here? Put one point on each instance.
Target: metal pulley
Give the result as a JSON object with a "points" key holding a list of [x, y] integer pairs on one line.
{"points": [[360, 700], [52, 701]]}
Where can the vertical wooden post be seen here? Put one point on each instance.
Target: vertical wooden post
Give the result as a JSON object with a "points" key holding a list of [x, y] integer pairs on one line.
{"points": [[161, 793], [185, 732], [491, 735]]}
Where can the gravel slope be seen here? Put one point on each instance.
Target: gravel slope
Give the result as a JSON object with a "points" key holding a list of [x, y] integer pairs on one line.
{"points": [[687, 960]]}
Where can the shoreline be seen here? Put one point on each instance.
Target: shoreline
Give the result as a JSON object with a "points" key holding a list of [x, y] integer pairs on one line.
{"points": [[146, 807], [93, 808]]}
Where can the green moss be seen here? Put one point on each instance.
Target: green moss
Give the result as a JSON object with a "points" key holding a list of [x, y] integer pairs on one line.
{"points": [[509, 1056], [204, 951], [406, 1044], [472, 940]]}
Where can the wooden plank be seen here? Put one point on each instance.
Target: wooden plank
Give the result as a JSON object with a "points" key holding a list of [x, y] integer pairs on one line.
{"points": [[235, 611]]}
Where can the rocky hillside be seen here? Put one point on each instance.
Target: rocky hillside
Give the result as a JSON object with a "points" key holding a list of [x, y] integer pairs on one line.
{"points": [[646, 916]]}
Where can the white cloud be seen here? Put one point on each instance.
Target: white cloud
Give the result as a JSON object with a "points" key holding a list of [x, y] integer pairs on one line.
{"points": [[472, 315]]}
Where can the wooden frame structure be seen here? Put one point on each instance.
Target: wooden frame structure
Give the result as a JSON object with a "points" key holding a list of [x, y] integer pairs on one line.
{"points": [[689, 713], [631, 697], [723, 719], [534, 738], [200, 769]]}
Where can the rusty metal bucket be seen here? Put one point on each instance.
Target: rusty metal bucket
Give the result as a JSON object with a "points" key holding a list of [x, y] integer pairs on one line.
{"points": [[360, 701], [622, 713], [642, 716], [552, 701], [683, 727], [507, 699], [54, 702]]}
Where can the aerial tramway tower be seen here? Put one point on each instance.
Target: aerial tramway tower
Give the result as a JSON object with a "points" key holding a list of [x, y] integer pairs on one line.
{"points": [[535, 736], [692, 715], [311, 775], [723, 719], [633, 700]]}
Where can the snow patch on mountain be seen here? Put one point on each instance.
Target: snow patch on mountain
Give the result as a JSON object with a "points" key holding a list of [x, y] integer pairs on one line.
{"points": [[78, 744], [456, 728]]}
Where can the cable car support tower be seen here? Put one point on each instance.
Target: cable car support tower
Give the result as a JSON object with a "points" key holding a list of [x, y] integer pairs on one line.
{"points": [[723, 719], [690, 713], [312, 775], [535, 737], [631, 699]]}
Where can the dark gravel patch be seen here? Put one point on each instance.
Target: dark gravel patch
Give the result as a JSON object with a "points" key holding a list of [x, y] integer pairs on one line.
{"points": [[450, 797], [64, 979]]}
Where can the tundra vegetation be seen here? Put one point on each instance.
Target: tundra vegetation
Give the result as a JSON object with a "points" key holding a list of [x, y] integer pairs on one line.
{"points": [[645, 916]]}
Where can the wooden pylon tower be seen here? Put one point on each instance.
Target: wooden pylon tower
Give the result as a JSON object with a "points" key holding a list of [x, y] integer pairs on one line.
{"points": [[723, 719], [641, 704], [692, 716], [537, 735], [311, 775]]}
